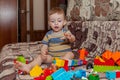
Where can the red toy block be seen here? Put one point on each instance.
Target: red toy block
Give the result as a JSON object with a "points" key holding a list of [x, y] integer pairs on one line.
{"points": [[118, 74], [41, 77], [97, 62], [47, 72], [107, 55], [107, 62], [118, 62], [66, 65]]}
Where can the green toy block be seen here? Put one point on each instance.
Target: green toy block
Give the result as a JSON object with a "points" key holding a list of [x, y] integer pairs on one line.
{"points": [[93, 77], [21, 59], [49, 78], [99, 68]]}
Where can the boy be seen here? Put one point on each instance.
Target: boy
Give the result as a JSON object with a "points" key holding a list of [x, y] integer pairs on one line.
{"points": [[56, 42]]}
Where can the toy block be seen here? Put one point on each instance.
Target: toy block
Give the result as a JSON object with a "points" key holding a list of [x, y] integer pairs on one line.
{"points": [[81, 62], [80, 73], [66, 65], [47, 72], [118, 62], [107, 55], [49, 78], [58, 73], [21, 59], [100, 68], [36, 71], [116, 56], [41, 77], [69, 62], [71, 73], [83, 53], [61, 74], [60, 62], [75, 62], [100, 59], [98, 62], [93, 77], [118, 74], [109, 62], [110, 75]]}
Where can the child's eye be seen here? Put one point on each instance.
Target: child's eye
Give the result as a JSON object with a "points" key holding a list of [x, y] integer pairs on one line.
{"points": [[59, 20], [52, 21]]}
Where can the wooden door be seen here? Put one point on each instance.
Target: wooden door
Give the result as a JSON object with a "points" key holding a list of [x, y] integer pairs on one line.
{"points": [[22, 15], [8, 22], [35, 35]]}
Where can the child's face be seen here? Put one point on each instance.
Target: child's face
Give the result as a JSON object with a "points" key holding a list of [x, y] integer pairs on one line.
{"points": [[56, 22]]}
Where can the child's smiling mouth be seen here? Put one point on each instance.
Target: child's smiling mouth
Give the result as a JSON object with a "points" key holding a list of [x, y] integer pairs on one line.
{"points": [[56, 27]]}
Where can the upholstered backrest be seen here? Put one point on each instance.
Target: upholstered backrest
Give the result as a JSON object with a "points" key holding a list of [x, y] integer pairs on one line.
{"points": [[96, 36], [93, 10]]}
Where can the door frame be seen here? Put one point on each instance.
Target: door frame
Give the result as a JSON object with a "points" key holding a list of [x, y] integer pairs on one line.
{"points": [[23, 21]]}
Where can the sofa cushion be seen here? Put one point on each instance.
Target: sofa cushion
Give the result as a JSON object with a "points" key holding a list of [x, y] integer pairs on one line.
{"points": [[96, 36], [93, 10]]}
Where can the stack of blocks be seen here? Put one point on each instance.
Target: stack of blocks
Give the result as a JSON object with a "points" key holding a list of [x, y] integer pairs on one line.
{"points": [[107, 61]]}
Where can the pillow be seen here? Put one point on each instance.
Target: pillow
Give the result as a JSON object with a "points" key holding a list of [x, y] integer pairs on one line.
{"points": [[78, 10], [93, 10]]}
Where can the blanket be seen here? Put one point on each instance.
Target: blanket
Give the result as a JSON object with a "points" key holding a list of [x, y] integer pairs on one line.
{"points": [[10, 52]]}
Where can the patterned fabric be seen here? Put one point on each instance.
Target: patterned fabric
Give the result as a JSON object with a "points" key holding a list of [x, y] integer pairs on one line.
{"points": [[93, 10], [96, 36], [10, 52]]}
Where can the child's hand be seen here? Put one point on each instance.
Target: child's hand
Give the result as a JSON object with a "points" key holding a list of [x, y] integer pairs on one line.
{"points": [[69, 36], [44, 50]]}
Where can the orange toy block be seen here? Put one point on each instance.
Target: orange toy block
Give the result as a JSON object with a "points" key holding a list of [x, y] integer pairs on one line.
{"points": [[107, 55], [83, 52], [116, 56]]}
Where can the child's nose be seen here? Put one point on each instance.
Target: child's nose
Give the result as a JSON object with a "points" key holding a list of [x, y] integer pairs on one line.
{"points": [[56, 22]]}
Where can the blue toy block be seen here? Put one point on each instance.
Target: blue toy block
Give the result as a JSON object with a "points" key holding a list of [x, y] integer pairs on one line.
{"points": [[60, 74], [110, 75], [71, 74], [80, 73]]}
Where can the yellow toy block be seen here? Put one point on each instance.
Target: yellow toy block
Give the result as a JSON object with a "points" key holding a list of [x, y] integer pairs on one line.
{"points": [[98, 57], [60, 62], [36, 71]]}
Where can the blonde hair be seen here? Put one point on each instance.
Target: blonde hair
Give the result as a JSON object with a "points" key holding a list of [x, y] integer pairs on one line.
{"points": [[56, 10]]}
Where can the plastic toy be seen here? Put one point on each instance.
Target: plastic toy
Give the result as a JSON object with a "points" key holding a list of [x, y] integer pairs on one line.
{"points": [[100, 68], [93, 77], [116, 56], [21, 59], [107, 55], [110, 75], [36, 71], [83, 53]]}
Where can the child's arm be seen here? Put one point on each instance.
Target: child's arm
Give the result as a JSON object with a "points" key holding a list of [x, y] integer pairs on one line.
{"points": [[44, 49]]}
